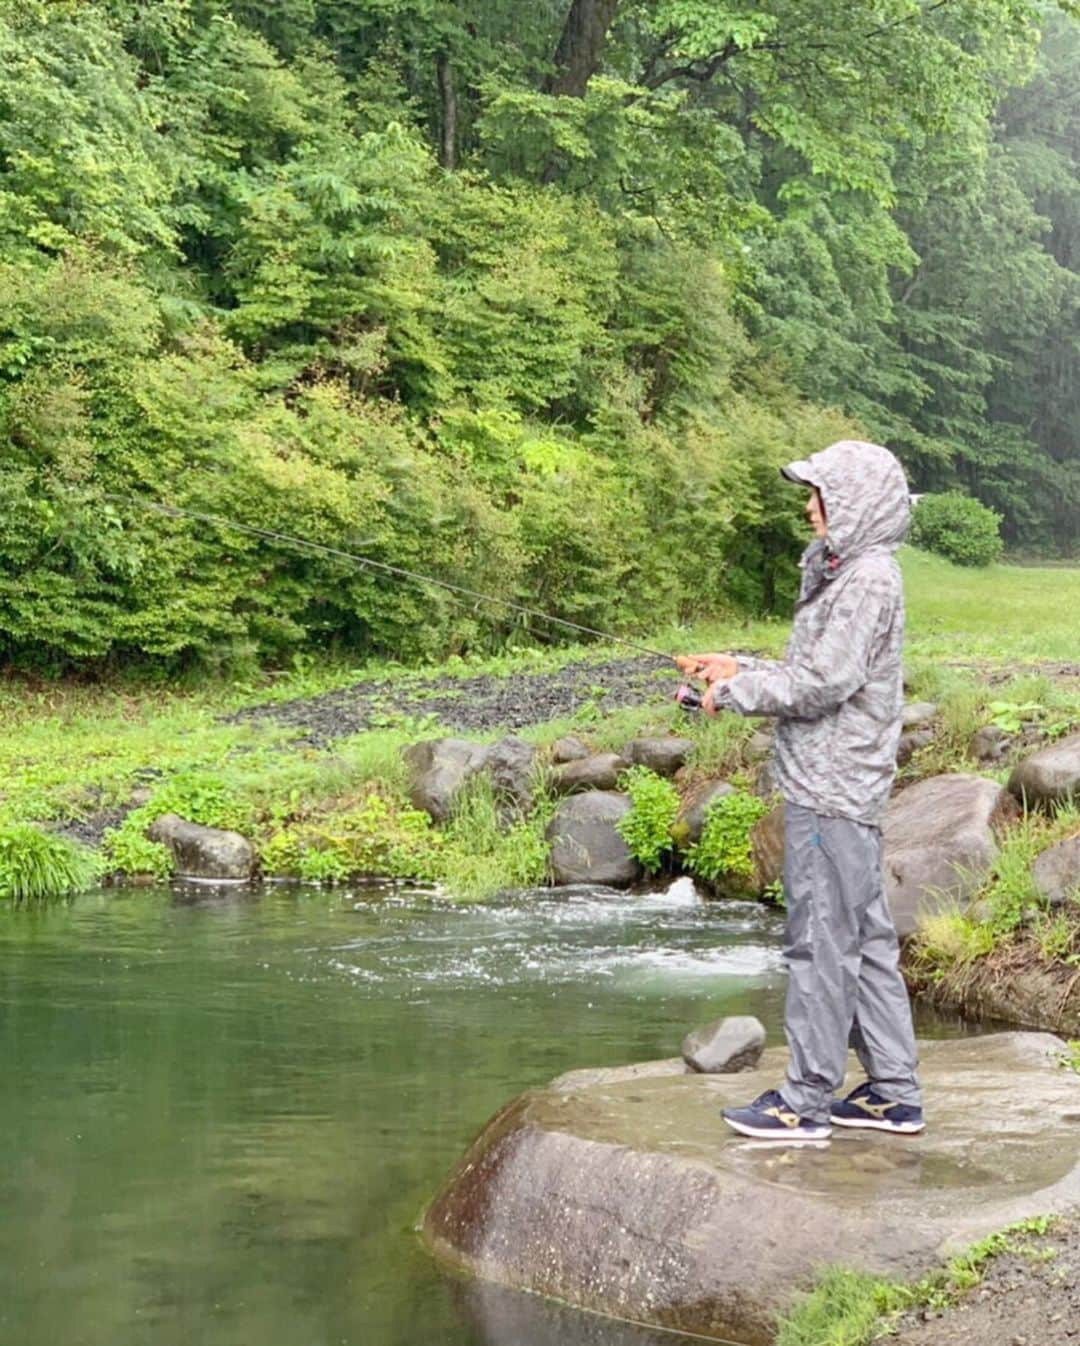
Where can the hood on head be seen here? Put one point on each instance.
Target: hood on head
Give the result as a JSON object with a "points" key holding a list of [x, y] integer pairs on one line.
{"points": [[865, 494]]}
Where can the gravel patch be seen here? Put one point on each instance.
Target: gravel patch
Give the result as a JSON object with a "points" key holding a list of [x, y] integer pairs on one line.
{"points": [[1020, 1301], [472, 705]]}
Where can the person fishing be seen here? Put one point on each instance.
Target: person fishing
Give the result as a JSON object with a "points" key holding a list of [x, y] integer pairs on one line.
{"points": [[837, 697]]}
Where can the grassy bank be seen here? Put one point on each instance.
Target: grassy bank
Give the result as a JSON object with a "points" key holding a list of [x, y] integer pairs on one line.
{"points": [[104, 760], [848, 1308]]}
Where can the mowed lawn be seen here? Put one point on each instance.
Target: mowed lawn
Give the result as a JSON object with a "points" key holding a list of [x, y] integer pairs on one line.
{"points": [[1008, 613]]}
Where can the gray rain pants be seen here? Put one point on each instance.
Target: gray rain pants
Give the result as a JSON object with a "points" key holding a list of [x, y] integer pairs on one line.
{"points": [[843, 956]]}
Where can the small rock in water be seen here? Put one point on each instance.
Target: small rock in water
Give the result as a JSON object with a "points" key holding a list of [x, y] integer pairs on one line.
{"points": [[725, 1046], [204, 852]]}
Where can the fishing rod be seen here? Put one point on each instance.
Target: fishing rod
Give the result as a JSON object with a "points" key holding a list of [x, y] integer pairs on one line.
{"points": [[458, 590]]}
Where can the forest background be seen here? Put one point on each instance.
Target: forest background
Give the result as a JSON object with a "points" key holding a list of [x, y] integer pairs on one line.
{"points": [[531, 298]]}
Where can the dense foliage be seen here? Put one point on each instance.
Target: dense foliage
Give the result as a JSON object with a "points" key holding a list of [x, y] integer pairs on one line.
{"points": [[533, 301], [957, 527]]}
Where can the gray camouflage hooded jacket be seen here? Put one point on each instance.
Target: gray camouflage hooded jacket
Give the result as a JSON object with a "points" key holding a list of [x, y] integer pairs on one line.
{"points": [[838, 693]]}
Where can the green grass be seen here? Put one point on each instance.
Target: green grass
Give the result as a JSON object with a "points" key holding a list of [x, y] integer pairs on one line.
{"points": [[849, 1308], [1003, 613], [70, 751]]}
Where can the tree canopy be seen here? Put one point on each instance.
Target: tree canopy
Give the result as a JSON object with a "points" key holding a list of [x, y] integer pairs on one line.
{"points": [[531, 299]]}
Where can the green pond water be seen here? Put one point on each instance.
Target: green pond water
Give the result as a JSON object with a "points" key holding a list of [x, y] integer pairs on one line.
{"points": [[223, 1113]]}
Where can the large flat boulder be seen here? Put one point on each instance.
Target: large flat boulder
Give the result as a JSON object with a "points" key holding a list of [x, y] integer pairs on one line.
{"points": [[1049, 776], [940, 841], [586, 845], [625, 1193]]}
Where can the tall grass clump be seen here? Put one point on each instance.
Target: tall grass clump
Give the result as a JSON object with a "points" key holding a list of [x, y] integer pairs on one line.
{"points": [[948, 940], [485, 852], [719, 742], [845, 1308], [36, 866]]}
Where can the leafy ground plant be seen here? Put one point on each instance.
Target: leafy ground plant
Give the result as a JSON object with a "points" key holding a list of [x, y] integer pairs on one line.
{"points": [[724, 850], [646, 829], [35, 865]]}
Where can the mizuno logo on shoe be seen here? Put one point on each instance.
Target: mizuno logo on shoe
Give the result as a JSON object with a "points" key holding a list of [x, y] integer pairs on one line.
{"points": [[874, 1109], [790, 1119]]}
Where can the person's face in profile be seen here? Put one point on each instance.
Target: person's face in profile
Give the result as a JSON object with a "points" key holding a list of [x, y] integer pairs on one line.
{"points": [[815, 513]]}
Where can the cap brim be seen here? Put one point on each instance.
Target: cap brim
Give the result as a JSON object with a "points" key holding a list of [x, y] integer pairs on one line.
{"points": [[797, 472]]}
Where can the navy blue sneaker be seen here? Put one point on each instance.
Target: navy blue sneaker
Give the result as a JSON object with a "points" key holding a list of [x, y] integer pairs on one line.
{"points": [[770, 1118], [864, 1107]]}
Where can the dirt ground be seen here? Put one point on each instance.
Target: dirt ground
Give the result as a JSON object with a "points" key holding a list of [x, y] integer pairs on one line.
{"points": [[1022, 1300]]}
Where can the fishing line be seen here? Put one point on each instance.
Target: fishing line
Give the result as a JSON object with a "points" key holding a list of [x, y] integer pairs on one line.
{"points": [[459, 590]]}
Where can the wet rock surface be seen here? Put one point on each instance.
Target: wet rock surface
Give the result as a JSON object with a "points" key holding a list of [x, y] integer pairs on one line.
{"points": [[204, 852], [767, 847], [1057, 872], [570, 748], [662, 755], [601, 771], [511, 765], [438, 771], [695, 807], [725, 1046], [624, 1191], [1049, 776], [586, 846], [940, 839]]}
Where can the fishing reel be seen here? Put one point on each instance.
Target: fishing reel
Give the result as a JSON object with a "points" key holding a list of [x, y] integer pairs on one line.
{"points": [[689, 697]]}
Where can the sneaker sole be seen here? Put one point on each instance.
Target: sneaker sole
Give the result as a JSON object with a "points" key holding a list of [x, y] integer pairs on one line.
{"points": [[770, 1133], [897, 1128]]}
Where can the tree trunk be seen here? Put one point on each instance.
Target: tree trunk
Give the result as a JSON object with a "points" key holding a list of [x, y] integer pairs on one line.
{"points": [[581, 47], [448, 93]]}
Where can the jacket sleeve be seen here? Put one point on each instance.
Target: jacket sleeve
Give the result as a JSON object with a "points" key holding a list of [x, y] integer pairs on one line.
{"points": [[750, 663], [814, 680]]}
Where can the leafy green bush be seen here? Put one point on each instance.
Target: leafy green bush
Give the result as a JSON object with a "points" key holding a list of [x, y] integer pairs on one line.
{"points": [[724, 850], [958, 527], [646, 829], [127, 850], [203, 797], [36, 865], [375, 836]]}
